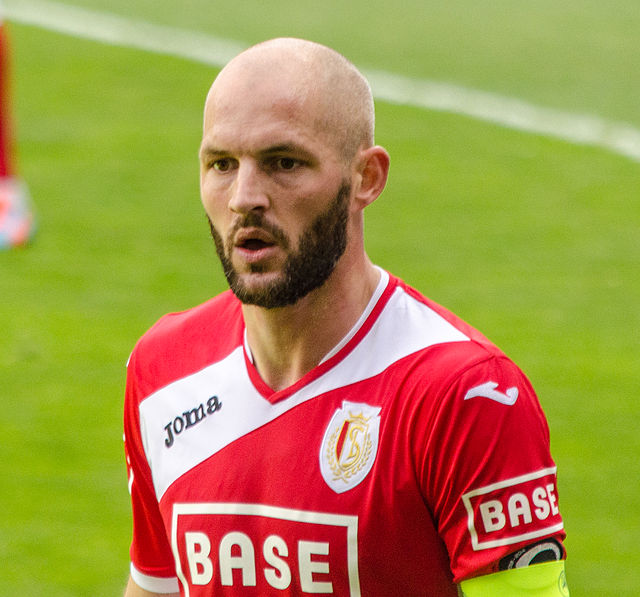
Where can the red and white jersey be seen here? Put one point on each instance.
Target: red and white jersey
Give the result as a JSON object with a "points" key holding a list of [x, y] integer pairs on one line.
{"points": [[414, 456]]}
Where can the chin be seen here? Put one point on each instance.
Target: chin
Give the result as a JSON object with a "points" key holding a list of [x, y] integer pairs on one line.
{"points": [[260, 280], [258, 283]]}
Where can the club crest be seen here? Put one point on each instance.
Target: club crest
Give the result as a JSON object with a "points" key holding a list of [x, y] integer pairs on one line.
{"points": [[349, 445]]}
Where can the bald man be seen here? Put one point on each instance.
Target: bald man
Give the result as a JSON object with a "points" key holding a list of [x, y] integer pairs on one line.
{"points": [[323, 428]]}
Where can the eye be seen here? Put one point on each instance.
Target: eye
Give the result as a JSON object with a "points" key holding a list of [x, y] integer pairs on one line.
{"points": [[223, 164], [286, 163]]}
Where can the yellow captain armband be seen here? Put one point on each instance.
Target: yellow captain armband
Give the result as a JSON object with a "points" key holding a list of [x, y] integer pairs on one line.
{"points": [[538, 580]]}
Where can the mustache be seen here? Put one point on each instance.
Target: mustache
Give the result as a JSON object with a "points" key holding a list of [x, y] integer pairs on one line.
{"points": [[250, 220], [257, 220]]}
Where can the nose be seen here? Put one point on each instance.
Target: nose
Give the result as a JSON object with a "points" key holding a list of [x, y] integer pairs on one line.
{"points": [[248, 191]]}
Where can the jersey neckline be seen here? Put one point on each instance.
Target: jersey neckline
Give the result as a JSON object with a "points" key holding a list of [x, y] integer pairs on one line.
{"points": [[382, 293]]}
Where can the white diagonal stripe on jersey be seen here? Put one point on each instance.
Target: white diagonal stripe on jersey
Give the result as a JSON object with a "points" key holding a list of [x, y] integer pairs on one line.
{"points": [[404, 327]]}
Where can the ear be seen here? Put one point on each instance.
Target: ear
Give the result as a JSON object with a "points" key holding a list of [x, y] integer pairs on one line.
{"points": [[372, 170]]}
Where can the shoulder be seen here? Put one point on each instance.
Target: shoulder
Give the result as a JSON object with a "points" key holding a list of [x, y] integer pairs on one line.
{"points": [[447, 359], [445, 341], [184, 342], [219, 311], [427, 305]]}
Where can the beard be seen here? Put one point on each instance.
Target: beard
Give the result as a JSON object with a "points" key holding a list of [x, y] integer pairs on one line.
{"points": [[320, 247]]}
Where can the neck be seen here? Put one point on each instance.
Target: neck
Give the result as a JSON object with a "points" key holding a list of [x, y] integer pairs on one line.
{"points": [[288, 342]]}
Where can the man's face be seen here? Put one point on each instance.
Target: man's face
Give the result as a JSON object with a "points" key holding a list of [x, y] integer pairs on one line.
{"points": [[276, 193]]}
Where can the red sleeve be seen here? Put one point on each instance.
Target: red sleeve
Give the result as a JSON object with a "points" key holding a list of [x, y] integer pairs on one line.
{"points": [[487, 470], [150, 551]]}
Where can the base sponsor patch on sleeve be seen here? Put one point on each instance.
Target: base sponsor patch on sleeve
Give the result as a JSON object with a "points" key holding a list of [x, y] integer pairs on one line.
{"points": [[514, 510]]}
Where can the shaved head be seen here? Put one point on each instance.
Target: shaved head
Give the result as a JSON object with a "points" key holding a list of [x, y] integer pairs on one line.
{"points": [[335, 95]]}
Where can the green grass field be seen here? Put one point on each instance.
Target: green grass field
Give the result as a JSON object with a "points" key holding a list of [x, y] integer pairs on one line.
{"points": [[535, 241]]}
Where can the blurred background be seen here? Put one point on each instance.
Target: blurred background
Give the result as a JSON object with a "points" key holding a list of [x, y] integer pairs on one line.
{"points": [[533, 238]]}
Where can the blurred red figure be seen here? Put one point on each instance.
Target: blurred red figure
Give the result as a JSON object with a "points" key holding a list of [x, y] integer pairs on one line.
{"points": [[16, 218]]}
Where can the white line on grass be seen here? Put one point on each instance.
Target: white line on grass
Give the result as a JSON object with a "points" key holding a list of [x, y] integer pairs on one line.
{"points": [[620, 138]]}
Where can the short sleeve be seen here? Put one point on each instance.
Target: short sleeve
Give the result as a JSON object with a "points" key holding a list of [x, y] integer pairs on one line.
{"points": [[486, 468], [151, 555]]}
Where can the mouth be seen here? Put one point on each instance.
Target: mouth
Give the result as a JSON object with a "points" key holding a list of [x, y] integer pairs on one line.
{"points": [[254, 243], [253, 239]]}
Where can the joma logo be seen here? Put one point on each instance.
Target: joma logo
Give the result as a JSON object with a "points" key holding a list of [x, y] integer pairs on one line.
{"points": [[190, 418]]}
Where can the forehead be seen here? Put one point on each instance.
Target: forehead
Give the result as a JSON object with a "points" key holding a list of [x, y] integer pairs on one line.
{"points": [[245, 115]]}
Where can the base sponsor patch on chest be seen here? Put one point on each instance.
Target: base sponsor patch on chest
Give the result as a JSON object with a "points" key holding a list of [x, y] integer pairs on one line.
{"points": [[255, 549], [350, 445], [513, 510]]}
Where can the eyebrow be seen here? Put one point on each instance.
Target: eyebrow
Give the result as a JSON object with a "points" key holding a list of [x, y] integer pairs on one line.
{"points": [[208, 151], [291, 149], [286, 147]]}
